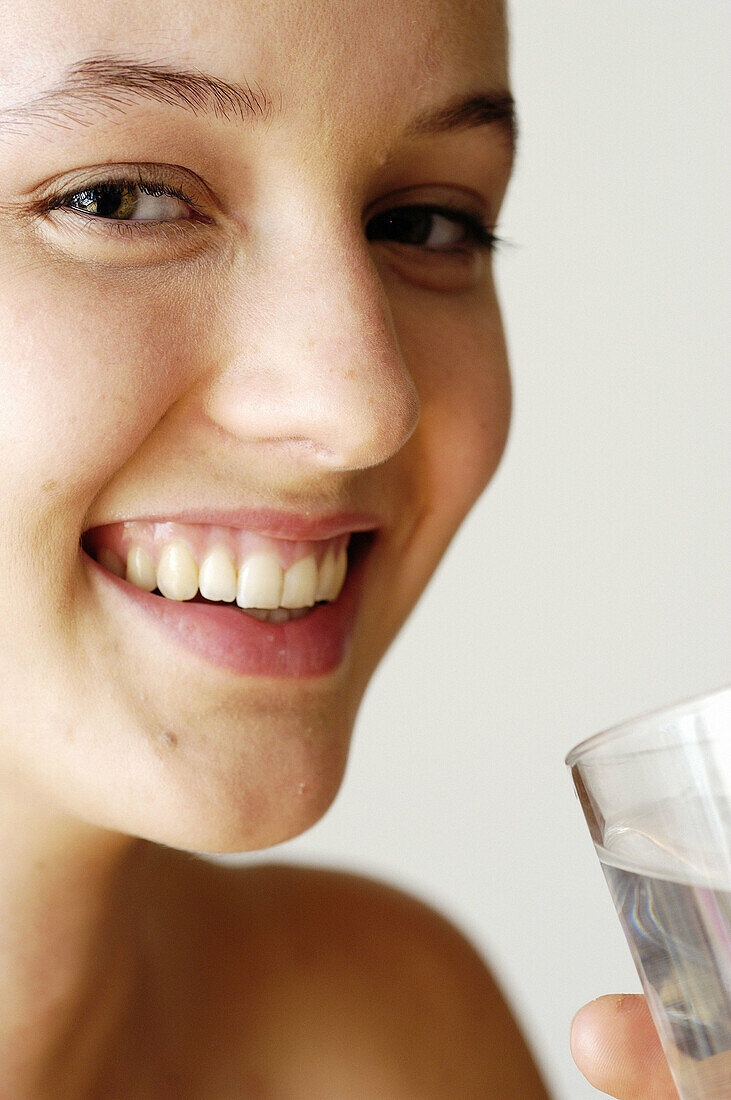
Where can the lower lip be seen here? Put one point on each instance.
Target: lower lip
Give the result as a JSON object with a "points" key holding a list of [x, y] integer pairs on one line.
{"points": [[225, 636]]}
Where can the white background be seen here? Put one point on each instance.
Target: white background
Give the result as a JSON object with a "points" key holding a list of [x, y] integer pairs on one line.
{"points": [[590, 582]]}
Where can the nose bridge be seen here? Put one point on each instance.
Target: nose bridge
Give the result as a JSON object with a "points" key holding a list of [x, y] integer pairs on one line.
{"points": [[353, 363], [318, 362]]}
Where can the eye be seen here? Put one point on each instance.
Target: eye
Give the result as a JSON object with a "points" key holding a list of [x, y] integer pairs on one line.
{"points": [[125, 200], [433, 228]]}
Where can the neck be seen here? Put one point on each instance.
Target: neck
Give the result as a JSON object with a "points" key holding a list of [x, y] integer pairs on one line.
{"points": [[68, 949]]}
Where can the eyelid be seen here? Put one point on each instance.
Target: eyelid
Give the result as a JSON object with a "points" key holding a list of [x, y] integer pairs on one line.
{"points": [[449, 196], [132, 230]]}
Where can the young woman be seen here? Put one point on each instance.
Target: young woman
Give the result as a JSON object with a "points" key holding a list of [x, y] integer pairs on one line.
{"points": [[253, 378]]}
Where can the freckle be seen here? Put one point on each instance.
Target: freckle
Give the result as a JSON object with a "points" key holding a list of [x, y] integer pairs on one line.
{"points": [[49, 486]]}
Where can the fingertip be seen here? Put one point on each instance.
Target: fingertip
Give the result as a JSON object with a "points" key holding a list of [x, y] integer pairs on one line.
{"points": [[615, 1045], [611, 1003], [598, 1037], [586, 1034]]}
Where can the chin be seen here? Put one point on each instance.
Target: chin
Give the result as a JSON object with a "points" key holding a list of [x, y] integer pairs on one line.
{"points": [[251, 820], [256, 790]]}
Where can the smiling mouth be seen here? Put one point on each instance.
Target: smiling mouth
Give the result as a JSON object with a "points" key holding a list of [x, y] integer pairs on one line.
{"points": [[271, 579]]}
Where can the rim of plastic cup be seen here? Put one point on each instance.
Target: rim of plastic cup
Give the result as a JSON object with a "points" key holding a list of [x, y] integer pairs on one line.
{"points": [[630, 725]]}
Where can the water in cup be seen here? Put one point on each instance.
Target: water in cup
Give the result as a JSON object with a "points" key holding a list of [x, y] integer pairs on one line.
{"points": [[677, 920]]}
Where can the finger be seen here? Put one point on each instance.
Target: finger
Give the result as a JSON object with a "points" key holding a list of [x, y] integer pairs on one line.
{"points": [[615, 1045]]}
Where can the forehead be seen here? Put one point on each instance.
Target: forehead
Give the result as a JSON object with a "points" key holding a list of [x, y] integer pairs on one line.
{"points": [[317, 58]]}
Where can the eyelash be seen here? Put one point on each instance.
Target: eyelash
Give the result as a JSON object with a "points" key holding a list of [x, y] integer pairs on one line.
{"points": [[479, 235], [129, 228]]}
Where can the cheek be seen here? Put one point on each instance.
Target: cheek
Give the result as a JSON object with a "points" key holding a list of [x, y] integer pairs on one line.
{"points": [[458, 359], [464, 386], [89, 365], [468, 432]]}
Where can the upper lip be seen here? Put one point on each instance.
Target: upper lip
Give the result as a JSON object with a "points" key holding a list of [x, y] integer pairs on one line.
{"points": [[272, 523]]}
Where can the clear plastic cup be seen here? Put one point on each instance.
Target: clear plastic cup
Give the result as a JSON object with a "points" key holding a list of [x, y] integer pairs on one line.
{"points": [[656, 795]]}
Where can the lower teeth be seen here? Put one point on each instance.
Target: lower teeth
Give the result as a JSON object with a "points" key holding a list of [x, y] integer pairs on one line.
{"points": [[266, 615], [277, 614]]}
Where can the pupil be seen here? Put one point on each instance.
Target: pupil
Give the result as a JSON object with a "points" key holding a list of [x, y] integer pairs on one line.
{"points": [[115, 202], [412, 226], [107, 202]]}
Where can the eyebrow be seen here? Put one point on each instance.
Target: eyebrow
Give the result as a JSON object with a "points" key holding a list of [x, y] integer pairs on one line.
{"points": [[484, 109], [98, 85]]}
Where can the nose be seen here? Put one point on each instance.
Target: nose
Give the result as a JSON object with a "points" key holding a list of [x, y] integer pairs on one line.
{"points": [[313, 365]]}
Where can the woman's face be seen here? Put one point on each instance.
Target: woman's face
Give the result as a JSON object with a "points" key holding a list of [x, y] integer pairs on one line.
{"points": [[248, 320]]}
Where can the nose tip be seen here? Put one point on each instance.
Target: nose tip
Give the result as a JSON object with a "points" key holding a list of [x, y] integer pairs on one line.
{"points": [[344, 420], [387, 429], [321, 378], [357, 416]]}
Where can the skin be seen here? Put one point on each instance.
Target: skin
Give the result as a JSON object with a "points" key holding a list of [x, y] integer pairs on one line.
{"points": [[614, 1042], [271, 357]]}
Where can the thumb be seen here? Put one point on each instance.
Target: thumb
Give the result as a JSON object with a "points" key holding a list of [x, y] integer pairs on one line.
{"points": [[615, 1045]]}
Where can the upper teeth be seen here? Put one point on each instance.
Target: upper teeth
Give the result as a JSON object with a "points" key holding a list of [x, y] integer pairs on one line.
{"points": [[260, 582]]}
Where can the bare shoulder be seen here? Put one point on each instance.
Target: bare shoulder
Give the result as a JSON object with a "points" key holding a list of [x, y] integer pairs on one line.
{"points": [[358, 988]]}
